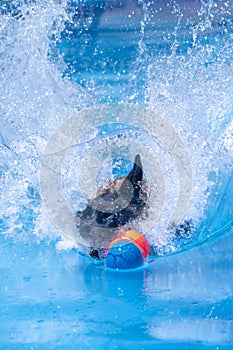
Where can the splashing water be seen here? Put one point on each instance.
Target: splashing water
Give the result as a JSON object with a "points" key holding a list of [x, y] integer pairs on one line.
{"points": [[35, 100], [183, 74]]}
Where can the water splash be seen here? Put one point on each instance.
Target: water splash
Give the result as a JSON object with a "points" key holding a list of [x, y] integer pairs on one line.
{"points": [[35, 101], [185, 78]]}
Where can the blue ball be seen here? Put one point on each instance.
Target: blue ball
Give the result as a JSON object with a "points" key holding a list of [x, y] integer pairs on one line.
{"points": [[124, 255]]}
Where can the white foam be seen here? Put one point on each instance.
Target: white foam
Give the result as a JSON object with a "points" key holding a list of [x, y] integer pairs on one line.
{"points": [[193, 92]]}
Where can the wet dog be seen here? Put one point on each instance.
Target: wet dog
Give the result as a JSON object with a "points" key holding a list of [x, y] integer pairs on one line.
{"points": [[119, 204]]}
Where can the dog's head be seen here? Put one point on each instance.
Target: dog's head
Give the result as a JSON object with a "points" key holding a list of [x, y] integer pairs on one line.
{"points": [[116, 205]]}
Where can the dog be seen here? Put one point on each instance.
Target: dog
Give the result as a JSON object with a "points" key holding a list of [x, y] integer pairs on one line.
{"points": [[124, 200], [116, 207]]}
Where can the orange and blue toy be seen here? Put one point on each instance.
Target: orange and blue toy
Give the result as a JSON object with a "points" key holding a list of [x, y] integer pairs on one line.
{"points": [[127, 251]]}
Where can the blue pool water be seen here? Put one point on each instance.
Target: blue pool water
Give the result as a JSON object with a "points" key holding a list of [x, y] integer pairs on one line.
{"points": [[109, 79]]}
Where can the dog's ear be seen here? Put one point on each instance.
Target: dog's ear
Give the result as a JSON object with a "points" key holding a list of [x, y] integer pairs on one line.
{"points": [[134, 177], [136, 174]]}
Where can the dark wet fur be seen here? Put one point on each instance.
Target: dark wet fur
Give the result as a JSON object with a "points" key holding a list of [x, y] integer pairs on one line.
{"points": [[184, 230], [123, 216], [100, 219]]}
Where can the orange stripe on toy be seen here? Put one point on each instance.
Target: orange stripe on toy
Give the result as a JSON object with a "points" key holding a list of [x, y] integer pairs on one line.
{"points": [[115, 240], [135, 237], [140, 240]]}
